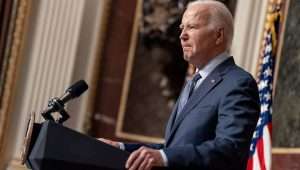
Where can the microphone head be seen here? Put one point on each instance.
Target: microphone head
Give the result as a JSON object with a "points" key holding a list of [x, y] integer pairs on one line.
{"points": [[77, 88]]}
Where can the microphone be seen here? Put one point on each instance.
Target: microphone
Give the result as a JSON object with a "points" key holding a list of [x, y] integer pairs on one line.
{"points": [[57, 104], [74, 91]]}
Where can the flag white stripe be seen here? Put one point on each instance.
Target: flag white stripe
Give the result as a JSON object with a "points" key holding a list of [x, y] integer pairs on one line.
{"points": [[267, 148], [256, 164]]}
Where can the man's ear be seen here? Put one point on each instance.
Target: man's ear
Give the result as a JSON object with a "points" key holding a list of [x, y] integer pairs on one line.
{"points": [[219, 36]]}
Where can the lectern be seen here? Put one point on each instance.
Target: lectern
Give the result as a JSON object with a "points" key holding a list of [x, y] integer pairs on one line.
{"points": [[55, 147]]}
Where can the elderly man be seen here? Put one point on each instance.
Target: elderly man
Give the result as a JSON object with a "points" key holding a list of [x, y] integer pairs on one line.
{"points": [[213, 120]]}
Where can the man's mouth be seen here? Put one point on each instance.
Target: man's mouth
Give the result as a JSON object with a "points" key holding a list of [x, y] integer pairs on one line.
{"points": [[185, 48]]}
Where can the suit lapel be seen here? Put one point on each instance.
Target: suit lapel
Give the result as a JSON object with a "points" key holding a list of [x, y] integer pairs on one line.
{"points": [[173, 114], [207, 85], [171, 120]]}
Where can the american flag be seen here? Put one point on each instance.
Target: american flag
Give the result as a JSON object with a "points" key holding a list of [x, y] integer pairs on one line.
{"points": [[260, 149]]}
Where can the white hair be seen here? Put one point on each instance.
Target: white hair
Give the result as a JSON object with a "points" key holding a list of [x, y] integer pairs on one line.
{"points": [[219, 16]]}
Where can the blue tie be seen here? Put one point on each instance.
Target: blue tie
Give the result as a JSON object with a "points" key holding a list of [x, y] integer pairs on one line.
{"points": [[187, 92], [194, 81]]}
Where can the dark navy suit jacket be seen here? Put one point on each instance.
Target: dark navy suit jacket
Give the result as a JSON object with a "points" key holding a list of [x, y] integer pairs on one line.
{"points": [[215, 127]]}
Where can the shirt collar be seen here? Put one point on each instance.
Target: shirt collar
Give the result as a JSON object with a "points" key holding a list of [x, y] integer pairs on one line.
{"points": [[212, 64]]}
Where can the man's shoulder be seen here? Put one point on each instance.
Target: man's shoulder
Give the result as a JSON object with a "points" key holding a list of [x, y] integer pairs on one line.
{"points": [[229, 70], [238, 78], [237, 73]]}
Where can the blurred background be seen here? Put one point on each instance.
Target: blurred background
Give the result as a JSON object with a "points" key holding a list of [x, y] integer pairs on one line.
{"points": [[129, 53]]}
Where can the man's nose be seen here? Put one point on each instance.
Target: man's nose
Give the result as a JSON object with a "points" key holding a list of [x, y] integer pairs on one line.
{"points": [[183, 36]]}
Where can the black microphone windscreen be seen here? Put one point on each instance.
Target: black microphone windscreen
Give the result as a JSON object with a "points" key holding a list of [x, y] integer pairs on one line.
{"points": [[77, 88]]}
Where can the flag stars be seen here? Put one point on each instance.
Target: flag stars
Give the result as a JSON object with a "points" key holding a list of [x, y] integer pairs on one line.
{"points": [[259, 121], [268, 48], [264, 108], [268, 72], [267, 96], [252, 147], [266, 59], [263, 84], [255, 134]]}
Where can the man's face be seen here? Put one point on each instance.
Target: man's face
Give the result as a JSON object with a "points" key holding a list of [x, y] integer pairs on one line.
{"points": [[197, 37]]}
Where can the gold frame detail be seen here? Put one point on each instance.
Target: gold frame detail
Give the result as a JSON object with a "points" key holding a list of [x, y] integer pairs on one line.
{"points": [[286, 150], [121, 114], [15, 57], [282, 150]]}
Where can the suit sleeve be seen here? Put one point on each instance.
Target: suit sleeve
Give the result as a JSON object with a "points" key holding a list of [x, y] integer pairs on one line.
{"points": [[130, 147], [238, 113]]}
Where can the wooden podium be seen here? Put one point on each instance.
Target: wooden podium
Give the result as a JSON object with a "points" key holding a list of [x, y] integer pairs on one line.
{"points": [[52, 146]]}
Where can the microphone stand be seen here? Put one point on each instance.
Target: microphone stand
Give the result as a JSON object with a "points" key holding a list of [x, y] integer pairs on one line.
{"points": [[57, 106]]}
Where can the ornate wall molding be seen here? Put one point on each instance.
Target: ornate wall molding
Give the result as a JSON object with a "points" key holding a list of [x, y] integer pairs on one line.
{"points": [[125, 90], [63, 47], [51, 57], [283, 47], [15, 52]]}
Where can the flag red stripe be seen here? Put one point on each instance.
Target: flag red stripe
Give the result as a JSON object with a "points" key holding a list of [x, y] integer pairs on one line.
{"points": [[261, 156], [250, 164], [270, 129]]}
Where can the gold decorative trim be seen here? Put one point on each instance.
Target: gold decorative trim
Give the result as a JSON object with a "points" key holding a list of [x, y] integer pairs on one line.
{"points": [[280, 150], [27, 139], [14, 63], [285, 150], [281, 42], [16, 165], [269, 16], [125, 89]]}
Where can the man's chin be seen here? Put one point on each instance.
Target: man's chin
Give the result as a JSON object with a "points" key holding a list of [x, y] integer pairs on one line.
{"points": [[186, 57]]}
